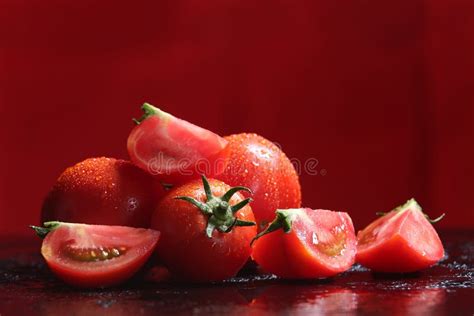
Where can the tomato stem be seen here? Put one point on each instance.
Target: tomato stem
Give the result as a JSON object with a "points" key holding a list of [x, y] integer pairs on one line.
{"points": [[435, 220], [45, 229], [148, 110], [283, 220], [221, 215], [413, 203]]}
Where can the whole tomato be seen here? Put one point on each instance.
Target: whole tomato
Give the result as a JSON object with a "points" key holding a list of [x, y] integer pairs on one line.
{"points": [[103, 191], [263, 167], [206, 229]]}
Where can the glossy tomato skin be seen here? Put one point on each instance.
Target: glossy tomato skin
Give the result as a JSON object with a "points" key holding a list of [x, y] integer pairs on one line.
{"points": [[321, 244], [260, 165], [401, 241], [63, 247], [184, 247], [175, 150], [104, 191]]}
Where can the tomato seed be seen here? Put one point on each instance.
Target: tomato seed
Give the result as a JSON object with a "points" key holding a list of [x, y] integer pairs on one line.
{"points": [[94, 254]]}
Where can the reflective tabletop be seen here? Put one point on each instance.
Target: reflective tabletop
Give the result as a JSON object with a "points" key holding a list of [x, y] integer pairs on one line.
{"points": [[27, 288]]}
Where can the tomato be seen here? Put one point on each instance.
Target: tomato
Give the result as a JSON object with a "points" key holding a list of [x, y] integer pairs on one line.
{"points": [[260, 165], [403, 240], [206, 229], [305, 243], [95, 255], [103, 191], [173, 149]]}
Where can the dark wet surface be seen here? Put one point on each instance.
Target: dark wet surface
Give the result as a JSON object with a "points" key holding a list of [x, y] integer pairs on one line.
{"points": [[27, 288]]}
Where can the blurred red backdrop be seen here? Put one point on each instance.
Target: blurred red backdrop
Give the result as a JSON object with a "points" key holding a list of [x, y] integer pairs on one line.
{"points": [[381, 93]]}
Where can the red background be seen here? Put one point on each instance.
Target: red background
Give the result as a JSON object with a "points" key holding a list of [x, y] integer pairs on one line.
{"points": [[380, 92]]}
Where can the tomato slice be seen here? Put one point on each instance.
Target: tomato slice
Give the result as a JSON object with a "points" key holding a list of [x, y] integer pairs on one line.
{"points": [[174, 149], [318, 243], [403, 240], [96, 255]]}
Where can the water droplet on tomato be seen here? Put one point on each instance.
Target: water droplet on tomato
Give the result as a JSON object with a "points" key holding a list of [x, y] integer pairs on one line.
{"points": [[132, 204], [315, 239]]}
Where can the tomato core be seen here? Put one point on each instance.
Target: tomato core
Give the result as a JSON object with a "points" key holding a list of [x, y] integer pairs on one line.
{"points": [[334, 247], [94, 253]]}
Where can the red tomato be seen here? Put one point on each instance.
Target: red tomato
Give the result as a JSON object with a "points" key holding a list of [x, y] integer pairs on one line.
{"points": [[260, 165], [403, 240], [95, 255], [174, 149], [204, 232], [305, 244], [103, 191]]}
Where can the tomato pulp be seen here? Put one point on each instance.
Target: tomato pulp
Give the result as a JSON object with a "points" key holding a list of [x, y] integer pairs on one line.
{"points": [[95, 255], [173, 149], [311, 244], [403, 240]]}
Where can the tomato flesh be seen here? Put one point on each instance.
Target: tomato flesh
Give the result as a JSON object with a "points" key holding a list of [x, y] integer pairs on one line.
{"points": [[321, 243], [96, 255], [176, 150], [401, 241]]}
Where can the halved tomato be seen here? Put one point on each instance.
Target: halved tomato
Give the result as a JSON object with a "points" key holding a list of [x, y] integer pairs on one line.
{"points": [[95, 255], [305, 243], [402, 240], [174, 149]]}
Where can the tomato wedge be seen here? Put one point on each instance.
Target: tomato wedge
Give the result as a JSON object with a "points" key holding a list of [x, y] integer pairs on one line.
{"points": [[305, 243], [174, 149], [403, 240], [95, 255]]}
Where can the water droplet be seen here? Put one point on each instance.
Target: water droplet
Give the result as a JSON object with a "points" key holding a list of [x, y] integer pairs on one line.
{"points": [[315, 239]]}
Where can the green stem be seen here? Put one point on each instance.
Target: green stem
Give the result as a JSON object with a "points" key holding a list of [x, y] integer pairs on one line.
{"points": [[220, 214], [283, 220], [46, 229], [407, 205], [148, 110]]}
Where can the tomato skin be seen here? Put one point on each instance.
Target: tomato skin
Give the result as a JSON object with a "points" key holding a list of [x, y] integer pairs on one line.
{"points": [[260, 165], [184, 247], [291, 255], [139, 242], [104, 191], [401, 241], [175, 150]]}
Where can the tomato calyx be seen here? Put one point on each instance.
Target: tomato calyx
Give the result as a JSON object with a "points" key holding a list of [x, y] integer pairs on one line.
{"points": [[150, 110], [409, 204], [221, 215], [283, 220], [47, 227]]}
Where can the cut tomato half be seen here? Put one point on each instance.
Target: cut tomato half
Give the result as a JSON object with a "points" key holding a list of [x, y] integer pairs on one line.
{"points": [[174, 149], [305, 243], [95, 255], [403, 240]]}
